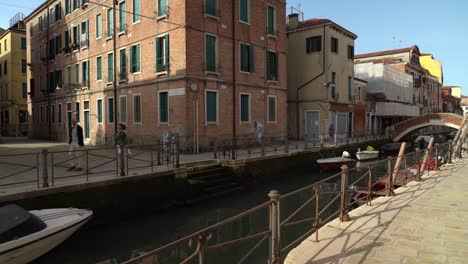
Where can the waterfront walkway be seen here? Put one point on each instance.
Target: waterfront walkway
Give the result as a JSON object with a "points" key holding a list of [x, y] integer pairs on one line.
{"points": [[425, 222]]}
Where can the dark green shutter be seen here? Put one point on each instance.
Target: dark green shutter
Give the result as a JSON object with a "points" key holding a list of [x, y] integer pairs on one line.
{"points": [[268, 71], [211, 107], [163, 107], [99, 111], [210, 53], [244, 108], [99, 68], [251, 58], [275, 65], [271, 21], [244, 10], [137, 54], [162, 7], [308, 45], [319, 43], [158, 54], [136, 10], [211, 8], [167, 51]]}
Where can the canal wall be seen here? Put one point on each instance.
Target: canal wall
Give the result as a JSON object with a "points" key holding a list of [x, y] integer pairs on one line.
{"points": [[135, 196]]}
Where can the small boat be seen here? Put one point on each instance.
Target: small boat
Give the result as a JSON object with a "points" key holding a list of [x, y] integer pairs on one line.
{"points": [[336, 162], [27, 235], [392, 149], [367, 154]]}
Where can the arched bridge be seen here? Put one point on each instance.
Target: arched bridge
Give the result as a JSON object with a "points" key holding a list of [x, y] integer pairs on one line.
{"points": [[399, 130]]}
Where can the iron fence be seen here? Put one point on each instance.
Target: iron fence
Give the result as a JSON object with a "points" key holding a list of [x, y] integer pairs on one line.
{"points": [[318, 203]]}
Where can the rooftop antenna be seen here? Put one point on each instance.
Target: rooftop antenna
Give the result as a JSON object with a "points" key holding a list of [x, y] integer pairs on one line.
{"points": [[298, 10], [393, 42]]}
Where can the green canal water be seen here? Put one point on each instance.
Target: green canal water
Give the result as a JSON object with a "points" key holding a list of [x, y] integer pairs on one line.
{"points": [[118, 241]]}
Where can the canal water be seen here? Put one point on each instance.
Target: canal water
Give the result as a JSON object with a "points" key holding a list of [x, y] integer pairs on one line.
{"points": [[118, 241]]}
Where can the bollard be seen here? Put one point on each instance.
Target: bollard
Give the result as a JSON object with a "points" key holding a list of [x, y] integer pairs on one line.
{"points": [[450, 152], [390, 176], [45, 176], [275, 227], [344, 194], [436, 157]]}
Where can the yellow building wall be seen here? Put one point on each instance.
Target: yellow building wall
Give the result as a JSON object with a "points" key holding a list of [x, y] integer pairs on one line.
{"points": [[433, 66], [12, 83]]}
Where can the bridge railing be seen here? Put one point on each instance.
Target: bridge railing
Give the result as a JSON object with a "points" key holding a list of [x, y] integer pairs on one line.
{"points": [[279, 224]]}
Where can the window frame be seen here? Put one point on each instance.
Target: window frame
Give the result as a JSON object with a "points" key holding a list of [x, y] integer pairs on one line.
{"points": [[141, 109], [98, 58], [126, 109], [206, 14], [248, 12], [206, 107], [350, 52], [216, 66], [139, 58], [250, 62], [268, 51], [102, 110], [268, 109], [275, 27], [109, 116], [159, 107], [334, 41], [249, 108], [166, 53], [314, 48], [98, 26]]}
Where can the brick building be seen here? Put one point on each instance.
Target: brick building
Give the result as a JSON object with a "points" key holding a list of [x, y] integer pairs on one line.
{"points": [[172, 65]]}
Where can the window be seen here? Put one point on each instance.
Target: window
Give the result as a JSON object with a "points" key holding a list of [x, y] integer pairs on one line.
{"points": [[59, 114], [84, 34], [272, 66], [77, 73], [41, 115], [334, 45], [0, 70], [52, 114], [136, 11], [211, 7], [24, 90], [350, 94], [137, 109], [110, 23], [40, 24], [271, 26], [110, 67], [67, 6], [23, 66], [271, 109], [162, 53], [135, 65], [23, 43], [333, 85], [58, 44], [99, 68], [314, 44], [58, 11], [31, 29], [76, 4], [245, 108], [210, 53], [98, 26], [162, 8], [244, 11], [85, 73], [47, 114], [163, 107], [123, 64], [110, 110], [123, 108], [247, 58], [350, 52], [211, 107], [77, 111], [76, 37], [68, 75], [122, 17], [67, 41], [5, 44], [5, 65], [99, 110]]}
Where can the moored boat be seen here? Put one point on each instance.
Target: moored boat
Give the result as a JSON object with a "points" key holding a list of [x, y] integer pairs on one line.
{"points": [[367, 154], [27, 235], [335, 163]]}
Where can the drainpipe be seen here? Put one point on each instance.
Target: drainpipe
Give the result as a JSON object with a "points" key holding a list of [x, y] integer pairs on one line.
{"points": [[233, 8], [114, 83], [305, 84]]}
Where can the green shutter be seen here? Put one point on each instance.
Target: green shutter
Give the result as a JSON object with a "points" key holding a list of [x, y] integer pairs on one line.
{"points": [[159, 60], [163, 107], [110, 67], [268, 71], [308, 45], [99, 68], [167, 51], [251, 58], [318, 43], [137, 54], [210, 53], [162, 7], [211, 7], [110, 105], [245, 108], [244, 10], [211, 107], [136, 11], [271, 21], [132, 59], [275, 65], [99, 111], [243, 57]]}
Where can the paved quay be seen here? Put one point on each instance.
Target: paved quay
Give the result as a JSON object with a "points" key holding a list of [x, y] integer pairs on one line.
{"points": [[425, 222]]}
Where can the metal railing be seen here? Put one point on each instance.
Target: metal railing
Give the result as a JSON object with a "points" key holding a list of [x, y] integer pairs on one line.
{"points": [[250, 147], [270, 237], [50, 167]]}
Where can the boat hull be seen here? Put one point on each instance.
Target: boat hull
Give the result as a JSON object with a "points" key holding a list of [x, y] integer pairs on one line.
{"points": [[26, 249], [336, 165], [367, 155]]}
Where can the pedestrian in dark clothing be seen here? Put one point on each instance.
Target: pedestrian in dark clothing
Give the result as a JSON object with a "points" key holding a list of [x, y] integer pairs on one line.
{"points": [[76, 142], [121, 141]]}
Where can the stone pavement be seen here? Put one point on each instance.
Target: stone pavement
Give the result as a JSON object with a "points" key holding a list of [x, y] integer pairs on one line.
{"points": [[425, 222]]}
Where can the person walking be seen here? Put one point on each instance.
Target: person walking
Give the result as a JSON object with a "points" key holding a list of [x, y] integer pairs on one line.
{"points": [[76, 144], [121, 141]]}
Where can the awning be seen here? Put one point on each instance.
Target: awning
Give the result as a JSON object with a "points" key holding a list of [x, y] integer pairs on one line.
{"points": [[395, 109]]}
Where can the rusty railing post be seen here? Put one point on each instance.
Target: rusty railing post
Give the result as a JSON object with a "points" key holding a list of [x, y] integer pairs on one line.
{"points": [[390, 176], [45, 176], [369, 186], [177, 150], [275, 227], [436, 157], [317, 212], [418, 166], [450, 152], [344, 194]]}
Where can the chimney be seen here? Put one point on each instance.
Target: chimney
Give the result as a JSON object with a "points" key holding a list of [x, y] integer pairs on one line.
{"points": [[293, 20]]}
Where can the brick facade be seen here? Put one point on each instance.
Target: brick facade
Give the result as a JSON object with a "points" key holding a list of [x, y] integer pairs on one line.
{"points": [[185, 81]]}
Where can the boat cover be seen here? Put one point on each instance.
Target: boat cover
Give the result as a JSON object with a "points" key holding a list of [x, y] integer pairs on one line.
{"points": [[15, 222]]}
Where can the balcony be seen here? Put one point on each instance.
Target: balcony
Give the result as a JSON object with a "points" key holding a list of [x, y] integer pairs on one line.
{"points": [[162, 64]]}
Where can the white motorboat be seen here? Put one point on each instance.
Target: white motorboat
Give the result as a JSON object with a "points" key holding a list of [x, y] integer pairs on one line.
{"points": [[27, 235], [367, 154]]}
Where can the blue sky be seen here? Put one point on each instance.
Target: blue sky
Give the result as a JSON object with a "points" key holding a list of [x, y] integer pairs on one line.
{"points": [[437, 27]]}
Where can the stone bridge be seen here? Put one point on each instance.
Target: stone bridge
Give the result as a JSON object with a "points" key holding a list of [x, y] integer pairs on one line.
{"points": [[397, 131]]}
